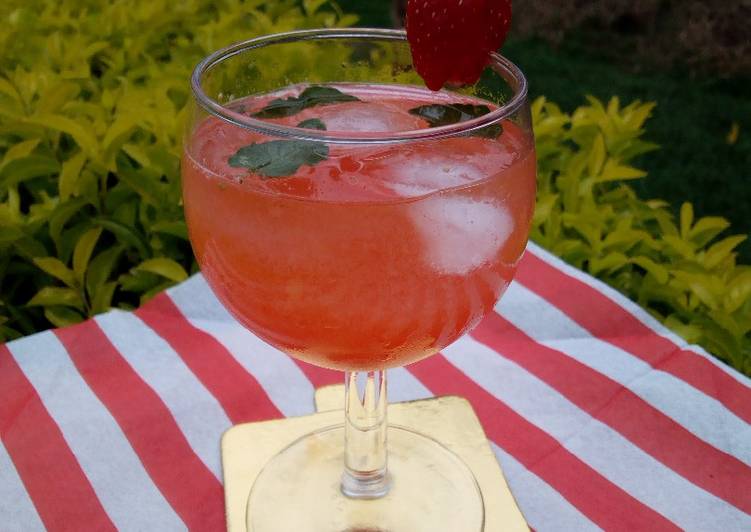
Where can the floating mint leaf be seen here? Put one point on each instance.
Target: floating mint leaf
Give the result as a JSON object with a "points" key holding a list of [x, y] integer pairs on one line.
{"points": [[321, 95], [437, 115], [310, 97], [312, 123], [279, 158], [443, 115]]}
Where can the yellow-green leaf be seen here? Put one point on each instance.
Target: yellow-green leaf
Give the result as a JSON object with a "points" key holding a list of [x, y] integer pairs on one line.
{"points": [[125, 234], [311, 6], [610, 262], [143, 180], [685, 249], [83, 137], [658, 271], [597, 155], [721, 250], [101, 301], [62, 316], [612, 171], [707, 228], [20, 150], [178, 229], [95, 48], [83, 250], [54, 98], [62, 215], [30, 248], [55, 295], [7, 88], [57, 269], [100, 268], [165, 267], [146, 296], [542, 209], [117, 134], [708, 288], [31, 166], [614, 106], [690, 333], [636, 118], [624, 239], [687, 219], [68, 181], [738, 292], [137, 153], [537, 107]]}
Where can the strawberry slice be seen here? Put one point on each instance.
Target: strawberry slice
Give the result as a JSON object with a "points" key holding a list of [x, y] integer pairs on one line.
{"points": [[451, 39]]}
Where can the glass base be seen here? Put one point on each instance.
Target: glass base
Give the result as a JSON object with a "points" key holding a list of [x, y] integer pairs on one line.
{"points": [[431, 489]]}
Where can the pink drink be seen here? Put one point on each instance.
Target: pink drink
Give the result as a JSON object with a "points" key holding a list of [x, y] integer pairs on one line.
{"points": [[375, 257]]}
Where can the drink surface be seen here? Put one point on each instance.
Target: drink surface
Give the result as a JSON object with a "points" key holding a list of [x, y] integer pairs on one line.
{"points": [[378, 255]]}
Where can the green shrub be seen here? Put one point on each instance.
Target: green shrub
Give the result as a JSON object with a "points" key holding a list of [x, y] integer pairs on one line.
{"points": [[588, 215], [92, 105]]}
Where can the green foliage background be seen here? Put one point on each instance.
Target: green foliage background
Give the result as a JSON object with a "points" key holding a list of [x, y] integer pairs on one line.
{"points": [[681, 271], [92, 105]]}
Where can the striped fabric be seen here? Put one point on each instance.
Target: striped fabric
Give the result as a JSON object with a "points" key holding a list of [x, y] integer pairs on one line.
{"points": [[600, 417]]}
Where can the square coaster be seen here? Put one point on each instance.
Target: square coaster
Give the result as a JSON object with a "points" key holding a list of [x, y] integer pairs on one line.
{"points": [[451, 420]]}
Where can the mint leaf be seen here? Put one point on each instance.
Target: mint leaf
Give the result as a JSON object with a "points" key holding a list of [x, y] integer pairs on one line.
{"points": [[310, 97], [442, 115], [312, 123], [279, 158], [437, 115]]}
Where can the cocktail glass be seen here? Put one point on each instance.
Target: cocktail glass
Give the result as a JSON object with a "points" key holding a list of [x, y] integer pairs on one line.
{"points": [[355, 220]]}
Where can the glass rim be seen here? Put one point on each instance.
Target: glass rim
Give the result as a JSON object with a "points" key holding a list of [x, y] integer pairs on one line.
{"points": [[222, 112]]}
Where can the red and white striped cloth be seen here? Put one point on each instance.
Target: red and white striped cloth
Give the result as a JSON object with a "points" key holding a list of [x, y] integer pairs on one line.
{"points": [[600, 417]]}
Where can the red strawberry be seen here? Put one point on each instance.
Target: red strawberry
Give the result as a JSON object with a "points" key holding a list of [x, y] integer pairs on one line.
{"points": [[451, 39]]}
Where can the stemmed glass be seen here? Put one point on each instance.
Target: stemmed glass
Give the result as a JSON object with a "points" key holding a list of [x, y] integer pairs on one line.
{"points": [[354, 219]]}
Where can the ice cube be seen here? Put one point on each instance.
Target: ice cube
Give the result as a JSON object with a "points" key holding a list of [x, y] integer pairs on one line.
{"points": [[362, 117], [418, 169], [416, 174], [459, 234]]}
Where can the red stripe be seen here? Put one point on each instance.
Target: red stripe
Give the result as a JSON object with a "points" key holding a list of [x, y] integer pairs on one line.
{"points": [[51, 474], [646, 427], [184, 480], [610, 322], [239, 393], [600, 500]]}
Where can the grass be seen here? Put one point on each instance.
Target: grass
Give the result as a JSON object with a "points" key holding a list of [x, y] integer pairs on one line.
{"points": [[692, 121]]}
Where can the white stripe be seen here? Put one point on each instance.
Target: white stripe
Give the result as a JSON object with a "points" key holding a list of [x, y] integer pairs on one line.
{"points": [[17, 510], [543, 507], [632, 308], [197, 413], [403, 386], [284, 382], [601, 447], [707, 418], [121, 483]]}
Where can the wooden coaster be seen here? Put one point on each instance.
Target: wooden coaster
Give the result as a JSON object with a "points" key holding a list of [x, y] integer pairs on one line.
{"points": [[451, 420]]}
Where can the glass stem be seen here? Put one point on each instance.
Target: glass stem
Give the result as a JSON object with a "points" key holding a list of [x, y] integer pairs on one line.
{"points": [[365, 472]]}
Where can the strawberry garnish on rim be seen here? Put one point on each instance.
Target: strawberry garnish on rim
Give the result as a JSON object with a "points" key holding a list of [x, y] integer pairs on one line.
{"points": [[451, 39]]}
